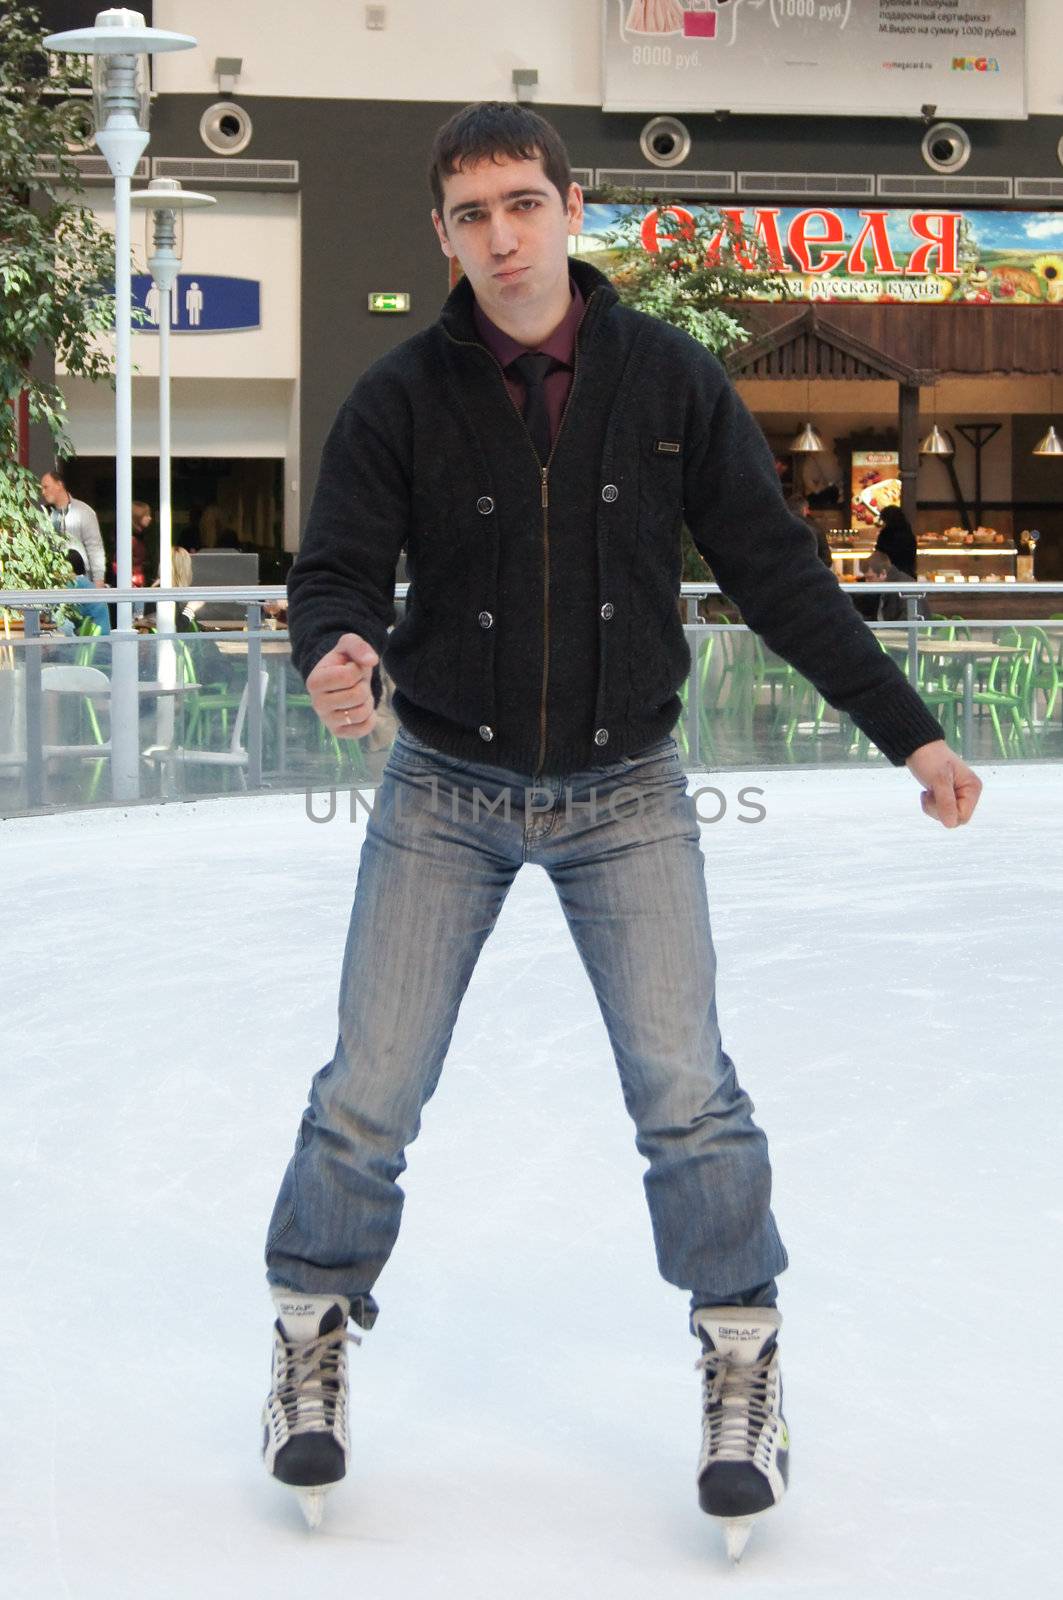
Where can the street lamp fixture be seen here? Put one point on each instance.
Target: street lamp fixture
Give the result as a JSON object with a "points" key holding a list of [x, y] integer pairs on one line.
{"points": [[120, 44]]}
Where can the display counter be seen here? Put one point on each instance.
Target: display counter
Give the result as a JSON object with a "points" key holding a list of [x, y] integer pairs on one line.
{"points": [[985, 557]]}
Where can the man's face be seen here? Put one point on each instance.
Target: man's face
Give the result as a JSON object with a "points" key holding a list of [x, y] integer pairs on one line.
{"points": [[507, 225], [53, 492]]}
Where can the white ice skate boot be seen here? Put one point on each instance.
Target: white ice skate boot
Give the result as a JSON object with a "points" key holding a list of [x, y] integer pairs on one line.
{"points": [[306, 1443], [745, 1450]]}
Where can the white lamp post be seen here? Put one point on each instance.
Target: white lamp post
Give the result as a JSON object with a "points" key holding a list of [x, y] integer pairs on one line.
{"points": [[164, 202], [120, 44]]}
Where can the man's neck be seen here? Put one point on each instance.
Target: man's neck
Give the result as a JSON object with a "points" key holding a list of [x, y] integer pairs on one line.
{"points": [[535, 329]]}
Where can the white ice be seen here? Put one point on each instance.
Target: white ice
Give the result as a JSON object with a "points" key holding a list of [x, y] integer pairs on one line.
{"points": [[525, 1413]]}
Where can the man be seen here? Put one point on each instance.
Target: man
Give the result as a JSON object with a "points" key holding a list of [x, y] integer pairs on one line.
{"points": [[878, 568], [77, 523], [798, 504], [536, 451]]}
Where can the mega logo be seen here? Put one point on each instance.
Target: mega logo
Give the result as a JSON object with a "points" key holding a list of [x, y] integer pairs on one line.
{"points": [[975, 64], [816, 242]]}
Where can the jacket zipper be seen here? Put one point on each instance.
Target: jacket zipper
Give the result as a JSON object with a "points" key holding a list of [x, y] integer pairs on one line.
{"points": [[544, 496]]}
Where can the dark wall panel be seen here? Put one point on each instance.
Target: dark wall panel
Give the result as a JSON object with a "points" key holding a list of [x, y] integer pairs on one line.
{"points": [[365, 203]]}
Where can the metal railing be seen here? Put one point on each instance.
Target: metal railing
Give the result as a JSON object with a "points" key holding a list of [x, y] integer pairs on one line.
{"points": [[197, 729]]}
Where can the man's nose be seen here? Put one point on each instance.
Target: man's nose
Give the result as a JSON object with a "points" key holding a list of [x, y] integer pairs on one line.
{"points": [[503, 236]]}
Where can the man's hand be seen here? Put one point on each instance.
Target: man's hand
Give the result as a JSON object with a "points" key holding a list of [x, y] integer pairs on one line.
{"points": [[950, 788], [340, 688]]}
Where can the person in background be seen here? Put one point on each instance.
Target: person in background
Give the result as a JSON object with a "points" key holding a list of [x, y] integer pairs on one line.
{"points": [[896, 540], [878, 568], [97, 614], [77, 523], [146, 530], [798, 504]]}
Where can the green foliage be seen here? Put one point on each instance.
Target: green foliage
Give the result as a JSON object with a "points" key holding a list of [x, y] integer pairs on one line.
{"points": [[56, 278], [693, 281]]}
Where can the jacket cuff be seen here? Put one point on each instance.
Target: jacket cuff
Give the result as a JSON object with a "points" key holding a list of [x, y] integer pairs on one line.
{"points": [[897, 723]]}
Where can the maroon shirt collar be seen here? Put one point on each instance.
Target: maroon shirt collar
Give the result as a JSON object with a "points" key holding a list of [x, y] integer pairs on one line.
{"points": [[561, 344]]}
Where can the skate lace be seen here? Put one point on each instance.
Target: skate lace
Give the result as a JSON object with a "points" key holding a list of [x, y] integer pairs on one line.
{"points": [[738, 1403], [309, 1385]]}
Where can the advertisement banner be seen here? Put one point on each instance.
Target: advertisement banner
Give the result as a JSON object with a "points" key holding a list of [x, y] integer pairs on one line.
{"points": [[838, 254], [876, 484], [884, 58]]}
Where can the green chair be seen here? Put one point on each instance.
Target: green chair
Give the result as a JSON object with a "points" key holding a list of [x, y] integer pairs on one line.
{"points": [[702, 666], [1006, 690], [203, 701], [1045, 678]]}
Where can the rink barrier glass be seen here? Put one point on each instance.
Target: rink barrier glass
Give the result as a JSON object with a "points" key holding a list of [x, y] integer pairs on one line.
{"points": [[996, 686]]}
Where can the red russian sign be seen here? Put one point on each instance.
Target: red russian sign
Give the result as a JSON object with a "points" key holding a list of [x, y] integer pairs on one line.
{"points": [[832, 253]]}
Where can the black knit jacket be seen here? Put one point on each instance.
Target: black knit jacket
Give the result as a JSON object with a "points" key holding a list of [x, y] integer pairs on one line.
{"points": [[542, 631]]}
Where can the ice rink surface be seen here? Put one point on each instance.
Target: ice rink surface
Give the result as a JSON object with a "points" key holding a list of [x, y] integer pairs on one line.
{"points": [[526, 1412]]}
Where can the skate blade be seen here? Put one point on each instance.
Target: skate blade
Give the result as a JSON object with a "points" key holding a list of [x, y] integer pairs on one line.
{"points": [[736, 1532], [312, 1504]]}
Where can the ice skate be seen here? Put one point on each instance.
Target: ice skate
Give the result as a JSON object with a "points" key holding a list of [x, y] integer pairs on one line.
{"points": [[745, 1450], [305, 1439]]}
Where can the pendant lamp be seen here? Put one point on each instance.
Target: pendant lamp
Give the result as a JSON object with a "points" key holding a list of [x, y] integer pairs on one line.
{"points": [[936, 444], [806, 442], [1051, 444]]}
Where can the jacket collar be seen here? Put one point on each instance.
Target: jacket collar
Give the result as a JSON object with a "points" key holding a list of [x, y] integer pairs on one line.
{"points": [[456, 317]]}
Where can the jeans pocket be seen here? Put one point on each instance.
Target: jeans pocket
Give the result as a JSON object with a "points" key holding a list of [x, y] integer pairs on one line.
{"points": [[653, 752]]}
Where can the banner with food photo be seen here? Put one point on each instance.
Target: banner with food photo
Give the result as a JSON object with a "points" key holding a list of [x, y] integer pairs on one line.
{"points": [[876, 484], [855, 256]]}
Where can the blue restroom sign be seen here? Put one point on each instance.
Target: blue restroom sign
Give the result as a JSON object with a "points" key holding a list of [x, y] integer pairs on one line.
{"points": [[200, 302]]}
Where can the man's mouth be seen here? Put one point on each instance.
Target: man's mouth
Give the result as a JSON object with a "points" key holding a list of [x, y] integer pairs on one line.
{"points": [[509, 274]]}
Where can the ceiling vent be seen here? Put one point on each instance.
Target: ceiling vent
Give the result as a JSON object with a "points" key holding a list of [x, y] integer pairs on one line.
{"points": [[652, 180], [93, 169], [1038, 189], [923, 187], [828, 185], [244, 172]]}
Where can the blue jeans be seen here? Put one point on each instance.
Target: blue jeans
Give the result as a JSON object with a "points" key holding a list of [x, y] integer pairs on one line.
{"points": [[622, 847]]}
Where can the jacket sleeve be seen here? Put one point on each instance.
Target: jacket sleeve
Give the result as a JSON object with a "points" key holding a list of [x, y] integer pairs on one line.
{"points": [[762, 558], [343, 579]]}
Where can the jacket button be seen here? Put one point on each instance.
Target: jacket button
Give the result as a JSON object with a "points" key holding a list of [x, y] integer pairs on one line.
{"points": [[602, 736], [485, 505], [607, 611], [486, 733], [486, 619], [610, 493]]}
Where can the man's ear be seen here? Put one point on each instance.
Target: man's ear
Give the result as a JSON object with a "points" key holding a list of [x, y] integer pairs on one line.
{"points": [[441, 234]]}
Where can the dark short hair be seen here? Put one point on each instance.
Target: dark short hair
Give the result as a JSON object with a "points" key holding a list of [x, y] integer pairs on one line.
{"points": [[57, 473], [878, 558], [490, 129]]}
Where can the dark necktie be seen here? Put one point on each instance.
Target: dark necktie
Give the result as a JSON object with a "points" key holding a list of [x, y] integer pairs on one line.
{"points": [[532, 369]]}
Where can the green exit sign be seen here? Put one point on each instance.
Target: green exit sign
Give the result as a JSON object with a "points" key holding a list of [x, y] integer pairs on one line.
{"points": [[389, 302]]}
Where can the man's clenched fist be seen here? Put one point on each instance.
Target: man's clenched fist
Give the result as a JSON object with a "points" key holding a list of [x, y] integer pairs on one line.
{"points": [[340, 688]]}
